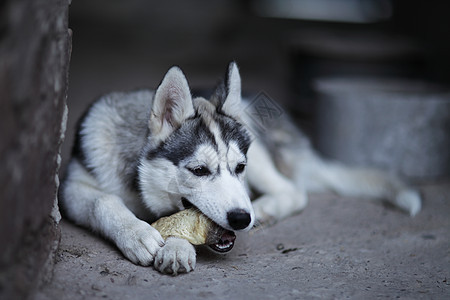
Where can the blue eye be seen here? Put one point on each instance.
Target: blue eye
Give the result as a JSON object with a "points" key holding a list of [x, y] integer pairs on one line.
{"points": [[200, 171], [240, 168]]}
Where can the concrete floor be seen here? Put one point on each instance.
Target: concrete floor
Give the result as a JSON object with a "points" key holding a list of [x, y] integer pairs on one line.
{"points": [[336, 248]]}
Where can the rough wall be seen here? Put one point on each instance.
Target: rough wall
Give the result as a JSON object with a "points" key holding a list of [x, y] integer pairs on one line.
{"points": [[34, 58]]}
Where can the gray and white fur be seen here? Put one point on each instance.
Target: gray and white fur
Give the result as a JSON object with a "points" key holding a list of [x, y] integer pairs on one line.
{"points": [[142, 155]]}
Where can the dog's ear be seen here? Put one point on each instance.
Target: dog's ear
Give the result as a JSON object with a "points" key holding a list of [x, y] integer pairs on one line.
{"points": [[227, 96], [172, 104]]}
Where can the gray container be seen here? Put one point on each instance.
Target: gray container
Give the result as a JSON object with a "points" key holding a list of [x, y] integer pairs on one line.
{"points": [[398, 125]]}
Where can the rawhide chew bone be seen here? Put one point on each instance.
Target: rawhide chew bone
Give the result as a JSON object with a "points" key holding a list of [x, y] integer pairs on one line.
{"points": [[193, 226], [189, 224]]}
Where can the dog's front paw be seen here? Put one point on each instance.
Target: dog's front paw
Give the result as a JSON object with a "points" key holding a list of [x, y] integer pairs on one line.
{"points": [[176, 256], [262, 217], [271, 208], [139, 242]]}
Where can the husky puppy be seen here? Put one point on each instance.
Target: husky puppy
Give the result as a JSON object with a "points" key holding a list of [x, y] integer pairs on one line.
{"points": [[142, 155]]}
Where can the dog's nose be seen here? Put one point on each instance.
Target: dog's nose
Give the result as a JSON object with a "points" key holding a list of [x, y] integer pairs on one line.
{"points": [[238, 219]]}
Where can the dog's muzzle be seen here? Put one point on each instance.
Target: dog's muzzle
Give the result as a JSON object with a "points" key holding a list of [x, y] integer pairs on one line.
{"points": [[225, 242]]}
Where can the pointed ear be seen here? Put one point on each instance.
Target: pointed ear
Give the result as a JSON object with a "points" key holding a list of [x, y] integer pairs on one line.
{"points": [[172, 104], [227, 96]]}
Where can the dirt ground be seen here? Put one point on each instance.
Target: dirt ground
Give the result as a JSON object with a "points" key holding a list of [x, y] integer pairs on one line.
{"points": [[336, 248]]}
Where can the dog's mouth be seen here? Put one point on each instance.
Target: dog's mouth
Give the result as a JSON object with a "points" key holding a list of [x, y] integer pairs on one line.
{"points": [[224, 241], [219, 239]]}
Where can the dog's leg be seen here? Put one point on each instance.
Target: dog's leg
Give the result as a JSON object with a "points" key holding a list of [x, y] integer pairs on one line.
{"points": [[318, 174], [280, 196], [108, 215]]}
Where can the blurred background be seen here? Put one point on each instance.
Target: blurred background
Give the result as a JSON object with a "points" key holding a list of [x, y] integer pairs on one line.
{"points": [[307, 55]]}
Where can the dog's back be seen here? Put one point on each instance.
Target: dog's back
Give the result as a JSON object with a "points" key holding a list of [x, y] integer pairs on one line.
{"points": [[111, 136]]}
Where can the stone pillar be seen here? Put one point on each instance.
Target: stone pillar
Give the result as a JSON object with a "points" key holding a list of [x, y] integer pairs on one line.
{"points": [[35, 45]]}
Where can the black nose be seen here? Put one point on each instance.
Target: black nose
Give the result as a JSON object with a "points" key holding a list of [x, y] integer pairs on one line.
{"points": [[238, 219]]}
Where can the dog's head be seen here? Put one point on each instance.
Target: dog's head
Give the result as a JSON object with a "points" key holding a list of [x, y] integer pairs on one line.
{"points": [[196, 153]]}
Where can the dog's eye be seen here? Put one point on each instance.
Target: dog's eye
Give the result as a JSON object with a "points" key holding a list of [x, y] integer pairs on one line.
{"points": [[240, 168], [200, 171]]}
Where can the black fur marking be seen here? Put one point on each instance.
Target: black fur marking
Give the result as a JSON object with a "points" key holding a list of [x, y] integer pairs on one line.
{"points": [[226, 79], [222, 90], [219, 95], [232, 130], [183, 142]]}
